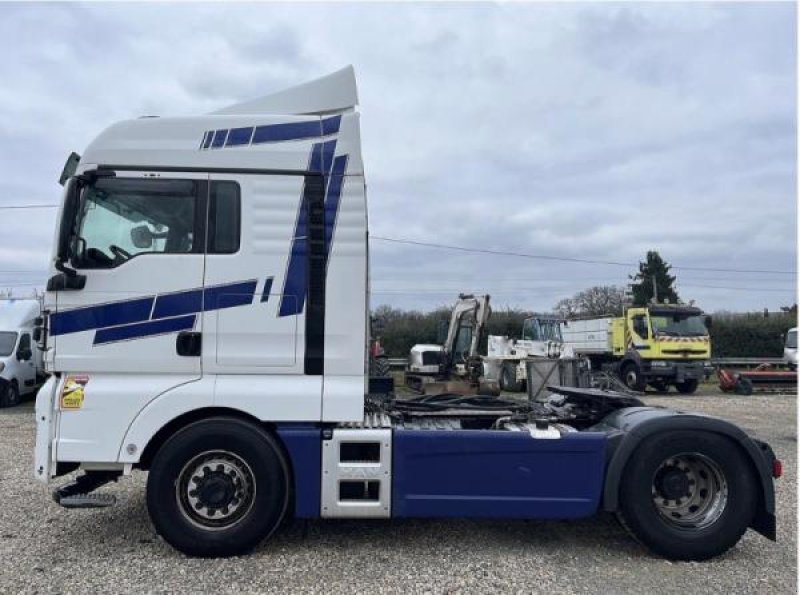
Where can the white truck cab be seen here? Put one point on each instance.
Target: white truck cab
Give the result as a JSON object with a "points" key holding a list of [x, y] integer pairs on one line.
{"points": [[790, 349], [206, 322], [21, 371]]}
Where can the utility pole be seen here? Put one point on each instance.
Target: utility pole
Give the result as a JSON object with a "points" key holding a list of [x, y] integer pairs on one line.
{"points": [[655, 290]]}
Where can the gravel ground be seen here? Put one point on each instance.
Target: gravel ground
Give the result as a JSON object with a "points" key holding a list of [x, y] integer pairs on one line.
{"points": [[44, 548]]}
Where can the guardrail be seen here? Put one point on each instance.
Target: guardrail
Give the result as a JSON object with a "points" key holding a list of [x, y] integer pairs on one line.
{"points": [[745, 362], [724, 362]]}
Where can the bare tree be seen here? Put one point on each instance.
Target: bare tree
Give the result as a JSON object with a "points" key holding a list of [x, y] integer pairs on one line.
{"points": [[594, 301]]}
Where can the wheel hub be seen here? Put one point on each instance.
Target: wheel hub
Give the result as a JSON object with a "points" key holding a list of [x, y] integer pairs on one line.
{"points": [[689, 491], [215, 489]]}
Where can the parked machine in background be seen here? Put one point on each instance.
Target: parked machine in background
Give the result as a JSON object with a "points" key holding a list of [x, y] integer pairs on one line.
{"points": [[506, 357], [454, 366], [659, 345], [790, 349], [21, 369]]}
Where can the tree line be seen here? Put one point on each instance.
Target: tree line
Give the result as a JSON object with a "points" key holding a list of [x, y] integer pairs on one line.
{"points": [[732, 334]]}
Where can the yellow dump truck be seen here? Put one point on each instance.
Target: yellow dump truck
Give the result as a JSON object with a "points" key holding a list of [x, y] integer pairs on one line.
{"points": [[659, 345]]}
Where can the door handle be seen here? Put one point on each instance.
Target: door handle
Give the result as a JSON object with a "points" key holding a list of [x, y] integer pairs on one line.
{"points": [[189, 343]]}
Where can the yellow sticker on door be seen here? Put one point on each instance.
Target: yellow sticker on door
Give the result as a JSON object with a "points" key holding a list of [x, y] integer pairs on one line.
{"points": [[72, 392]]}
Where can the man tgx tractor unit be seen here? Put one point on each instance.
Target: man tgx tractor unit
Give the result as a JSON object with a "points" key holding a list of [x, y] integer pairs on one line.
{"points": [[659, 345], [207, 322]]}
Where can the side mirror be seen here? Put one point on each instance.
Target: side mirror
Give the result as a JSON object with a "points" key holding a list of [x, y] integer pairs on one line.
{"points": [[37, 334], [24, 355], [707, 321], [68, 220], [142, 237], [70, 167]]}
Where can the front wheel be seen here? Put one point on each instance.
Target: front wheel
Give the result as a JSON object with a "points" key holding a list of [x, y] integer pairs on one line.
{"points": [[10, 396], [688, 495], [632, 377], [687, 387], [508, 378], [218, 487]]}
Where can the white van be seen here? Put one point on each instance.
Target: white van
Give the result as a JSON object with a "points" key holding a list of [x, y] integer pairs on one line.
{"points": [[21, 371], [790, 349]]}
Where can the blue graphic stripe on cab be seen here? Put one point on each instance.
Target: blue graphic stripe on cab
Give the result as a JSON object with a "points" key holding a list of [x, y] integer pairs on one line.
{"points": [[144, 329], [93, 317], [166, 306], [270, 133]]}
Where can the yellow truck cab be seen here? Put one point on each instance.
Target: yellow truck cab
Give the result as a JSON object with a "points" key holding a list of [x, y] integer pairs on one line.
{"points": [[658, 344]]}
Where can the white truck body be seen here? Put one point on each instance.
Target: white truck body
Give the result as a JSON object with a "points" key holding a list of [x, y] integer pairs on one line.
{"points": [[585, 337], [790, 349], [16, 329]]}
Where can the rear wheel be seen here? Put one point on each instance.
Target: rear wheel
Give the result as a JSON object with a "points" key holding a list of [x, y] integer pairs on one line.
{"points": [[218, 487], [688, 495], [508, 378], [632, 377], [660, 386], [687, 387]]}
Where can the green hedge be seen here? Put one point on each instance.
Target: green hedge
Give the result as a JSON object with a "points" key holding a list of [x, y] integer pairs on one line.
{"points": [[750, 335]]}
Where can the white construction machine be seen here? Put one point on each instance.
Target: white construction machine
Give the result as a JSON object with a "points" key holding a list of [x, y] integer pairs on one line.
{"points": [[455, 366], [506, 358]]}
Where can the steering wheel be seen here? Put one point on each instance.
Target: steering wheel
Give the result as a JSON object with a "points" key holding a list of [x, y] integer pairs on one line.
{"points": [[119, 253]]}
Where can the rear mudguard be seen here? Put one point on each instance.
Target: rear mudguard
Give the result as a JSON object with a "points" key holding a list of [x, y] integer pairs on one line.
{"points": [[626, 428]]}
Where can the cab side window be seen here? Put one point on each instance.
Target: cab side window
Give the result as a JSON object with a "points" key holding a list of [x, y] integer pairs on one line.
{"points": [[640, 326], [24, 351], [123, 217], [224, 218]]}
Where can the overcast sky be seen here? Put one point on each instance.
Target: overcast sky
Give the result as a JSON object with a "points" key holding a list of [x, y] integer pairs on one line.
{"points": [[593, 131]]}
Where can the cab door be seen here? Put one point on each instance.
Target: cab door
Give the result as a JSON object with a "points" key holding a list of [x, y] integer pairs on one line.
{"points": [[257, 284], [139, 242]]}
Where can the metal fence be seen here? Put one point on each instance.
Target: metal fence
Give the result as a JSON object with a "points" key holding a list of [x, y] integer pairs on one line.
{"points": [[723, 362]]}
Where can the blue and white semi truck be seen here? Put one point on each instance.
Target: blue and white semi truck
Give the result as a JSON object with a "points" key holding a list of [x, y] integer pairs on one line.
{"points": [[206, 321]]}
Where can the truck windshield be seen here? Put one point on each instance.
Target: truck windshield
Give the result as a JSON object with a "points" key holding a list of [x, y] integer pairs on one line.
{"points": [[692, 325], [791, 340], [7, 342], [541, 330]]}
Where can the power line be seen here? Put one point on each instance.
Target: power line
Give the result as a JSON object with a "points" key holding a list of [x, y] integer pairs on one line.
{"points": [[42, 206], [565, 258]]}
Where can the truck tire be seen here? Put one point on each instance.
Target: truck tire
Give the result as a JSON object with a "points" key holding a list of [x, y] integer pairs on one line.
{"points": [[688, 495], [218, 487], [687, 387], [508, 378], [10, 396], [632, 376], [660, 386]]}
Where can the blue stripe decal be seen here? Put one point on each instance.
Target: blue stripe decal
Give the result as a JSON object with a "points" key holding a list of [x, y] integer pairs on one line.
{"points": [[229, 296], [331, 125], [289, 131], [144, 329], [335, 183], [219, 138], [271, 133], [267, 289], [93, 317], [176, 304], [293, 297], [239, 136]]}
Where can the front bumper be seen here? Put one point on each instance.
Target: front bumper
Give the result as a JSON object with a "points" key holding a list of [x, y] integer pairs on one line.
{"points": [[675, 371]]}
